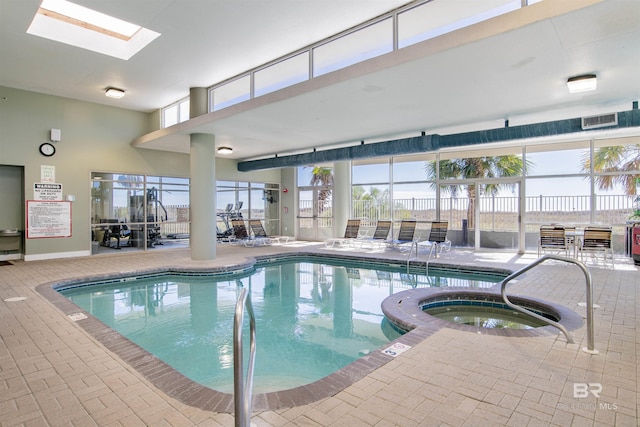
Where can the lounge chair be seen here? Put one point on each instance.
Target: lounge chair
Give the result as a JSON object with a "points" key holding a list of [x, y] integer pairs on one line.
{"points": [[240, 235], [405, 234], [597, 241], [350, 235], [438, 237], [552, 239], [380, 234], [259, 232]]}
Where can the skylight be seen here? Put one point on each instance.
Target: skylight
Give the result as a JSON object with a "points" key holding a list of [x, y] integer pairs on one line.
{"points": [[75, 25]]}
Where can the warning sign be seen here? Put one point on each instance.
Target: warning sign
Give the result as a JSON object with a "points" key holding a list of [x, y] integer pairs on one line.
{"points": [[396, 349], [47, 191]]}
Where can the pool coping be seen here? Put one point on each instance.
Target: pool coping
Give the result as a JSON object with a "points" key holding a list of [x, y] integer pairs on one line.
{"points": [[191, 393]]}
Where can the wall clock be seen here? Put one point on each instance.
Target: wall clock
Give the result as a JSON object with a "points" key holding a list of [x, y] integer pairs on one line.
{"points": [[47, 149]]}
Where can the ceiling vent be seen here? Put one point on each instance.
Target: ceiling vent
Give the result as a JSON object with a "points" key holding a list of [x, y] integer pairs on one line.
{"points": [[602, 121]]}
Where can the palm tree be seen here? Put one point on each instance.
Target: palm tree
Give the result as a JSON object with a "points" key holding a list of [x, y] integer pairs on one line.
{"points": [[322, 177], [618, 159], [474, 168]]}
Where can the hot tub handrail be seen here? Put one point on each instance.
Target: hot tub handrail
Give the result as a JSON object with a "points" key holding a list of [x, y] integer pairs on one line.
{"points": [[589, 284], [243, 391]]}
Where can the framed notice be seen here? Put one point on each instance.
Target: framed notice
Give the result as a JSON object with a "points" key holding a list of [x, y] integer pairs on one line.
{"points": [[48, 219]]}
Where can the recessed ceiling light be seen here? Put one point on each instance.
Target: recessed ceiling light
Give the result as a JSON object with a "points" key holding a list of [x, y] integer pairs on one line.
{"points": [[75, 25], [113, 92], [225, 150], [583, 83]]}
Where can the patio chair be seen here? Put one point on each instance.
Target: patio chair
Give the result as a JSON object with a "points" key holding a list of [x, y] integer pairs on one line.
{"points": [[240, 234], [597, 241], [350, 235], [405, 234], [552, 239], [380, 234], [259, 232], [438, 237]]}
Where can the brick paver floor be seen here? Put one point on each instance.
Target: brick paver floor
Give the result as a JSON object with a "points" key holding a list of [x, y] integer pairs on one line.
{"points": [[53, 372]]}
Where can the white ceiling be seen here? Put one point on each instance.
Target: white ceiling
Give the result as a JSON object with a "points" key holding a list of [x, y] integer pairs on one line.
{"points": [[513, 67]]}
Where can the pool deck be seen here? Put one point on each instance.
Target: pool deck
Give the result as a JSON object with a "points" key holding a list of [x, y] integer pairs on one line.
{"points": [[53, 372]]}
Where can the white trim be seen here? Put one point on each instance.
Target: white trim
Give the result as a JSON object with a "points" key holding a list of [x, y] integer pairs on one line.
{"points": [[56, 255]]}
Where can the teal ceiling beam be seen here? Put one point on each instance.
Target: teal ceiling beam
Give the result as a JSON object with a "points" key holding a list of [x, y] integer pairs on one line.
{"points": [[427, 143], [418, 144]]}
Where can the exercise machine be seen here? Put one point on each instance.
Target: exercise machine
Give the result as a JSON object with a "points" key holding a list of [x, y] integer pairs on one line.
{"points": [[150, 205]]}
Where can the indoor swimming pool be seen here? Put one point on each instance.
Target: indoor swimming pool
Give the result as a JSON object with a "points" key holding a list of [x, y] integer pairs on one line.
{"points": [[313, 317]]}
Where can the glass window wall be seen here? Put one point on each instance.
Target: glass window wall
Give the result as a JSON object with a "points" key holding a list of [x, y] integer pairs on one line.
{"points": [[137, 212]]}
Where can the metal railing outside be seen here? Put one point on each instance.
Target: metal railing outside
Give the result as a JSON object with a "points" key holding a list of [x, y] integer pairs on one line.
{"points": [[589, 305], [243, 390], [498, 213]]}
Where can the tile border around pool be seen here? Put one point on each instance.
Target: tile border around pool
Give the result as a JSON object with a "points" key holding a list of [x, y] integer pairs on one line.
{"points": [[181, 388]]}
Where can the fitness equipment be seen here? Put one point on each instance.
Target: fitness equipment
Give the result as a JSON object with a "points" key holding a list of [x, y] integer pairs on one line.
{"points": [[230, 213], [150, 204]]}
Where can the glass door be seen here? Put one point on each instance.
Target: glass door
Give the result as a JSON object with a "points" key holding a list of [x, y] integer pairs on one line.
{"points": [[315, 213]]}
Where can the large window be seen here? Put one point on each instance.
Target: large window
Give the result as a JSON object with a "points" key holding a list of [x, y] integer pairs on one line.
{"points": [[558, 189], [137, 211], [230, 93], [282, 74], [175, 113], [247, 200], [414, 191], [371, 192], [368, 42], [480, 185], [616, 173], [571, 183]]}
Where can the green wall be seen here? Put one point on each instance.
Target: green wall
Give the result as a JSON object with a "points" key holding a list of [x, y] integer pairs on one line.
{"points": [[94, 138]]}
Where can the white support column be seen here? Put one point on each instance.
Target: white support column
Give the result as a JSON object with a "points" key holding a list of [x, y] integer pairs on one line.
{"points": [[203, 196], [341, 196]]}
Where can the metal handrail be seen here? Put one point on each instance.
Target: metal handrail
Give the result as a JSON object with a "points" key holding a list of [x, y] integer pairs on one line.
{"points": [[243, 391], [433, 248], [590, 346]]}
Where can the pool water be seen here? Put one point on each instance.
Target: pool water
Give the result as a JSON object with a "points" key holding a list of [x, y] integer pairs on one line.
{"points": [[311, 318]]}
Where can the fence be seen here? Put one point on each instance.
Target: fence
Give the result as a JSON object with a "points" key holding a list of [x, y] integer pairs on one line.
{"points": [[501, 213], [496, 213], [177, 221]]}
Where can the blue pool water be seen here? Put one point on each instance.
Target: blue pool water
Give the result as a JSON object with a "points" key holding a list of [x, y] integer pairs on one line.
{"points": [[311, 319]]}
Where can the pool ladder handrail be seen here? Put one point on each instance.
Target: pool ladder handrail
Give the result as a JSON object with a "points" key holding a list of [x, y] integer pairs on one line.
{"points": [[243, 396], [503, 285], [433, 249]]}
